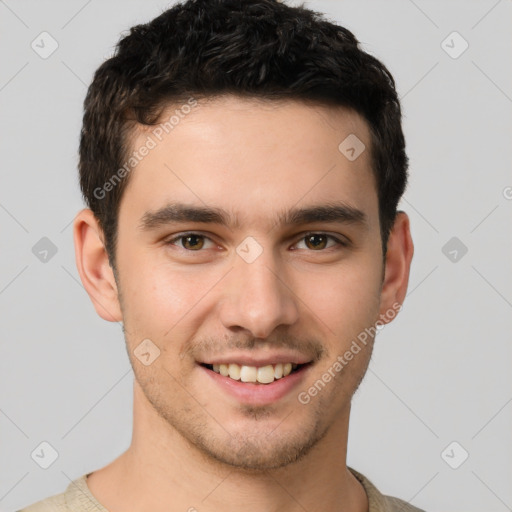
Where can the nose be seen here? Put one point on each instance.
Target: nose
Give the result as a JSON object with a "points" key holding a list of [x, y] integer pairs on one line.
{"points": [[257, 298]]}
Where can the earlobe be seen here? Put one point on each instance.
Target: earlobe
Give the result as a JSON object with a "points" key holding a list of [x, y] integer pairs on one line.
{"points": [[399, 255], [93, 266]]}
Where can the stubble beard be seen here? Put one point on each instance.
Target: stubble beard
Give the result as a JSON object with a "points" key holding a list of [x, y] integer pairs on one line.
{"points": [[262, 449]]}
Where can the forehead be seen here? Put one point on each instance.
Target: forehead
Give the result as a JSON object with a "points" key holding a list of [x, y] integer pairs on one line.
{"points": [[253, 157]]}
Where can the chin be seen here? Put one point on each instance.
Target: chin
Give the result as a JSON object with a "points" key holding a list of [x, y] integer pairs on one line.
{"points": [[260, 451]]}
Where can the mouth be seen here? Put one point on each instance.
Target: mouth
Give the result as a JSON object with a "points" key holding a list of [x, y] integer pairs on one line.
{"points": [[257, 379], [264, 375]]}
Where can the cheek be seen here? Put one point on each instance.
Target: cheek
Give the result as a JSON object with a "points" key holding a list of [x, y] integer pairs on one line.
{"points": [[160, 300], [346, 300]]}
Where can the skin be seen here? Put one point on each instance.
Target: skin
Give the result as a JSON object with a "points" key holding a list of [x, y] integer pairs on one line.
{"points": [[194, 445]]}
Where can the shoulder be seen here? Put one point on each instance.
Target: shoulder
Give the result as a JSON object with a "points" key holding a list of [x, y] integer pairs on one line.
{"points": [[378, 502], [76, 498]]}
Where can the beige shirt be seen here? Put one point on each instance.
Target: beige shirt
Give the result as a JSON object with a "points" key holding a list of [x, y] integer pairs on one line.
{"points": [[78, 498]]}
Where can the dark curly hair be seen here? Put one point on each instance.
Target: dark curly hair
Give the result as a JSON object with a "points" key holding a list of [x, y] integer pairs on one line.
{"points": [[252, 48]]}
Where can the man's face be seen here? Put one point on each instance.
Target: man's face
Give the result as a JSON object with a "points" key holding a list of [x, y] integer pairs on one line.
{"points": [[293, 276]]}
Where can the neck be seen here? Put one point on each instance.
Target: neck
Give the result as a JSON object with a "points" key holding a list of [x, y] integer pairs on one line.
{"points": [[161, 471]]}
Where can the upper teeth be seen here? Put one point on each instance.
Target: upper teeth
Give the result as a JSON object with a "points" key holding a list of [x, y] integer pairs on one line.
{"points": [[261, 374]]}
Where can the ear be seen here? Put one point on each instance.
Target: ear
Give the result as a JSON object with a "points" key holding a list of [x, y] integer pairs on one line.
{"points": [[94, 268], [399, 254]]}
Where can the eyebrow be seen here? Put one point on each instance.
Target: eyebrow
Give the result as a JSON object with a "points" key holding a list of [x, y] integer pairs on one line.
{"points": [[179, 212]]}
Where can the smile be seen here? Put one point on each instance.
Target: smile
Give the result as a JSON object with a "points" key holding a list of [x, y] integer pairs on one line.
{"points": [[257, 381], [254, 374]]}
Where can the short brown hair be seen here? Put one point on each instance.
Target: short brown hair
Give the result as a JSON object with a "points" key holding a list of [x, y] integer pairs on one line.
{"points": [[252, 48]]}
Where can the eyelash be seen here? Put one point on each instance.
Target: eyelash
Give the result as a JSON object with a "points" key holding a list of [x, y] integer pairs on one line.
{"points": [[339, 243]]}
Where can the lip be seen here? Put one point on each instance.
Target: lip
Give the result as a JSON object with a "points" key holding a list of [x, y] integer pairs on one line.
{"points": [[247, 360], [258, 394]]}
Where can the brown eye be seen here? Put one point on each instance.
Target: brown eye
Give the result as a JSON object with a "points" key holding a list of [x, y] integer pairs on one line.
{"points": [[192, 242], [316, 241]]}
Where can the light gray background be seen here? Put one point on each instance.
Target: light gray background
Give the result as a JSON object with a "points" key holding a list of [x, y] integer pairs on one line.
{"points": [[440, 372]]}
